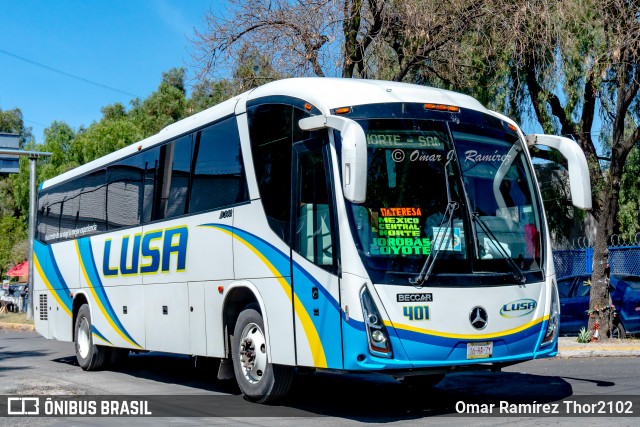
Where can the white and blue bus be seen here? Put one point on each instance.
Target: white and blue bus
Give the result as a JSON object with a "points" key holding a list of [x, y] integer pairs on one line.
{"points": [[348, 225]]}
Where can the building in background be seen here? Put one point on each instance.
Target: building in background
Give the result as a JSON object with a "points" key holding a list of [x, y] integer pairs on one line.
{"points": [[9, 164]]}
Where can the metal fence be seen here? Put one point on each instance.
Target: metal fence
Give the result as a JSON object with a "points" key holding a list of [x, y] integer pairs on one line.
{"points": [[622, 260]]}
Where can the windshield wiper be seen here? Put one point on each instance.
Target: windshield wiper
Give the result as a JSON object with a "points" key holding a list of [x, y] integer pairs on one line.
{"points": [[448, 216], [518, 274]]}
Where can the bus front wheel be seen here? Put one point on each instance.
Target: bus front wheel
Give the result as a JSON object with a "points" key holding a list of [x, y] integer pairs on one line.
{"points": [[259, 380], [90, 356]]}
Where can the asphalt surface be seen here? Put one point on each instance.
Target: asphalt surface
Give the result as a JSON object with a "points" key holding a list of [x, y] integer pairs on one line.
{"points": [[32, 365]]}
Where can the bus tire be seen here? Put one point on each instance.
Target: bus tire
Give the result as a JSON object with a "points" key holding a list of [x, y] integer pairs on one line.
{"points": [[259, 380], [91, 357]]}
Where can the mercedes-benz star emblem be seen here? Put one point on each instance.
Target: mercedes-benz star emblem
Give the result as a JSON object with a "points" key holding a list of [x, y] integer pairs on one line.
{"points": [[478, 317]]}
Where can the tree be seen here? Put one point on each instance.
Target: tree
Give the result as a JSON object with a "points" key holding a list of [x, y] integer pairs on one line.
{"points": [[561, 63], [12, 231], [366, 38], [165, 106], [564, 62], [629, 215], [599, 52], [175, 77], [11, 121]]}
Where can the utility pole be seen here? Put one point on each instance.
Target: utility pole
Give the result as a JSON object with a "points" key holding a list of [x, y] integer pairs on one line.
{"points": [[33, 157]]}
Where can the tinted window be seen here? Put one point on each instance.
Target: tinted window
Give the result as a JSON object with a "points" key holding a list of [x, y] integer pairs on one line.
{"points": [[583, 287], [312, 209], [218, 175], [92, 199], [151, 161], [270, 129], [69, 208], [131, 184], [176, 158], [72, 209], [48, 219], [564, 286]]}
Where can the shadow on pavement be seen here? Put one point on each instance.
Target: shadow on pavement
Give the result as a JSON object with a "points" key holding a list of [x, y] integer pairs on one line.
{"points": [[366, 398], [200, 374]]}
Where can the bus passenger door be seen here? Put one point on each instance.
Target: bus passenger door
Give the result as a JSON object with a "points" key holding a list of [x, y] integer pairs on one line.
{"points": [[314, 258]]}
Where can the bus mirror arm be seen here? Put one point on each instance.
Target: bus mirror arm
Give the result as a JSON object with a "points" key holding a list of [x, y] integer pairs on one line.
{"points": [[579, 181], [354, 152]]}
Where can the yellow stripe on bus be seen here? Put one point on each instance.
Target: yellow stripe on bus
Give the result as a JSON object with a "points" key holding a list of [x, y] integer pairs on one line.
{"points": [[38, 267], [315, 344], [100, 305], [464, 336]]}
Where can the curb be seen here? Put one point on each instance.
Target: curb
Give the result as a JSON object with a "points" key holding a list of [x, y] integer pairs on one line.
{"points": [[17, 327], [605, 352], [568, 347]]}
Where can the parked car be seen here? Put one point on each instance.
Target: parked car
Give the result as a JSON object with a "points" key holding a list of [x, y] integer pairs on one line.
{"points": [[626, 298], [574, 304]]}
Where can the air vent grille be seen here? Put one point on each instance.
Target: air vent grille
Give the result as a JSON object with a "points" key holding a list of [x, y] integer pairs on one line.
{"points": [[44, 312]]}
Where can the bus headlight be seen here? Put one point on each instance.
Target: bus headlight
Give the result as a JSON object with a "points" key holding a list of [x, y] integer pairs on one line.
{"points": [[379, 343], [554, 318]]}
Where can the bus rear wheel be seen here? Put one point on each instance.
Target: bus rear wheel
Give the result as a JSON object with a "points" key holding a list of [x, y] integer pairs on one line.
{"points": [[259, 380], [91, 357]]}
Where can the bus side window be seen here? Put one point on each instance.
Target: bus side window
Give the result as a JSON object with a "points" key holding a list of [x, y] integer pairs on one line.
{"points": [[218, 172], [92, 198], [312, 208], [270, 130], [175, 177]]}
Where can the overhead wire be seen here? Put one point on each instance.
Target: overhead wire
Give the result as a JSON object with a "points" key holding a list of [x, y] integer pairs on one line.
{"points": [[64, 73]]}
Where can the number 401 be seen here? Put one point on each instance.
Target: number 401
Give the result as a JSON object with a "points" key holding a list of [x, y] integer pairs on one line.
{"points": [[416, 312]]}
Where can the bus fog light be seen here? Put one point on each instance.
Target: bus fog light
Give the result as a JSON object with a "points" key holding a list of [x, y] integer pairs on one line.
{"points": [[378, 336]]}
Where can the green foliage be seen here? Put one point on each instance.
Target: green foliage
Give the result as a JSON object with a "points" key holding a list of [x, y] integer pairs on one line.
{"points": [[103, 138], [208, 93], [163, 107], [175, 77], [12, 233], [114, 112], [584, 336], [629, 214], [11, 121]]}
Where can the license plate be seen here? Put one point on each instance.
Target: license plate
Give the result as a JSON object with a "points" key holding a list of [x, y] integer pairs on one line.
{"points": [[479, 350]]}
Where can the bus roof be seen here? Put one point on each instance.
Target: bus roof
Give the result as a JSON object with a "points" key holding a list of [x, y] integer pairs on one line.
{"points": [[324, 93]]}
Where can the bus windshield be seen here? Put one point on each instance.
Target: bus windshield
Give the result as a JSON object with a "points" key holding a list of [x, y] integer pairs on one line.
{"points": [[459, 193]]}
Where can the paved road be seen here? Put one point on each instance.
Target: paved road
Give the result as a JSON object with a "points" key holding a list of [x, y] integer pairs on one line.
{"points": [[31, 365]]}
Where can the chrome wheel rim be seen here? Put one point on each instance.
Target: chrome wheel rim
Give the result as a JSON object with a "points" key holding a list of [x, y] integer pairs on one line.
{"points": [[84, 338], [253, 353]]}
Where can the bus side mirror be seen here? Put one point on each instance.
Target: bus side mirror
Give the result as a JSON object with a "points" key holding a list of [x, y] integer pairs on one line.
{"points": [[354, 153], [579, 181]]}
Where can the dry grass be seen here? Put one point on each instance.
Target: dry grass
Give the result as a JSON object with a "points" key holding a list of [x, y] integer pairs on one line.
{"points": [[15, 318]]}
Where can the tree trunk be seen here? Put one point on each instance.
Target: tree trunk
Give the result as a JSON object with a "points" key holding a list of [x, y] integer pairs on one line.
{"points": [[600, 312]]}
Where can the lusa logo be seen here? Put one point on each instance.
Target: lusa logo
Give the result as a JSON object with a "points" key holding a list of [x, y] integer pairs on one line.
{"points": [[518, 308], [147, 253]]}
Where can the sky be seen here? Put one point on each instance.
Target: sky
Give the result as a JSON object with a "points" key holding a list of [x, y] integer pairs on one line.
{"points": [[123, 44]]}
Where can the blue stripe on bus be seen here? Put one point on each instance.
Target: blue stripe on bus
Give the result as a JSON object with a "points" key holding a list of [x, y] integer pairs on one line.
{"points": [[327, 325], [432, 350], [97, 333], [47, 267], [88, 266]]}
